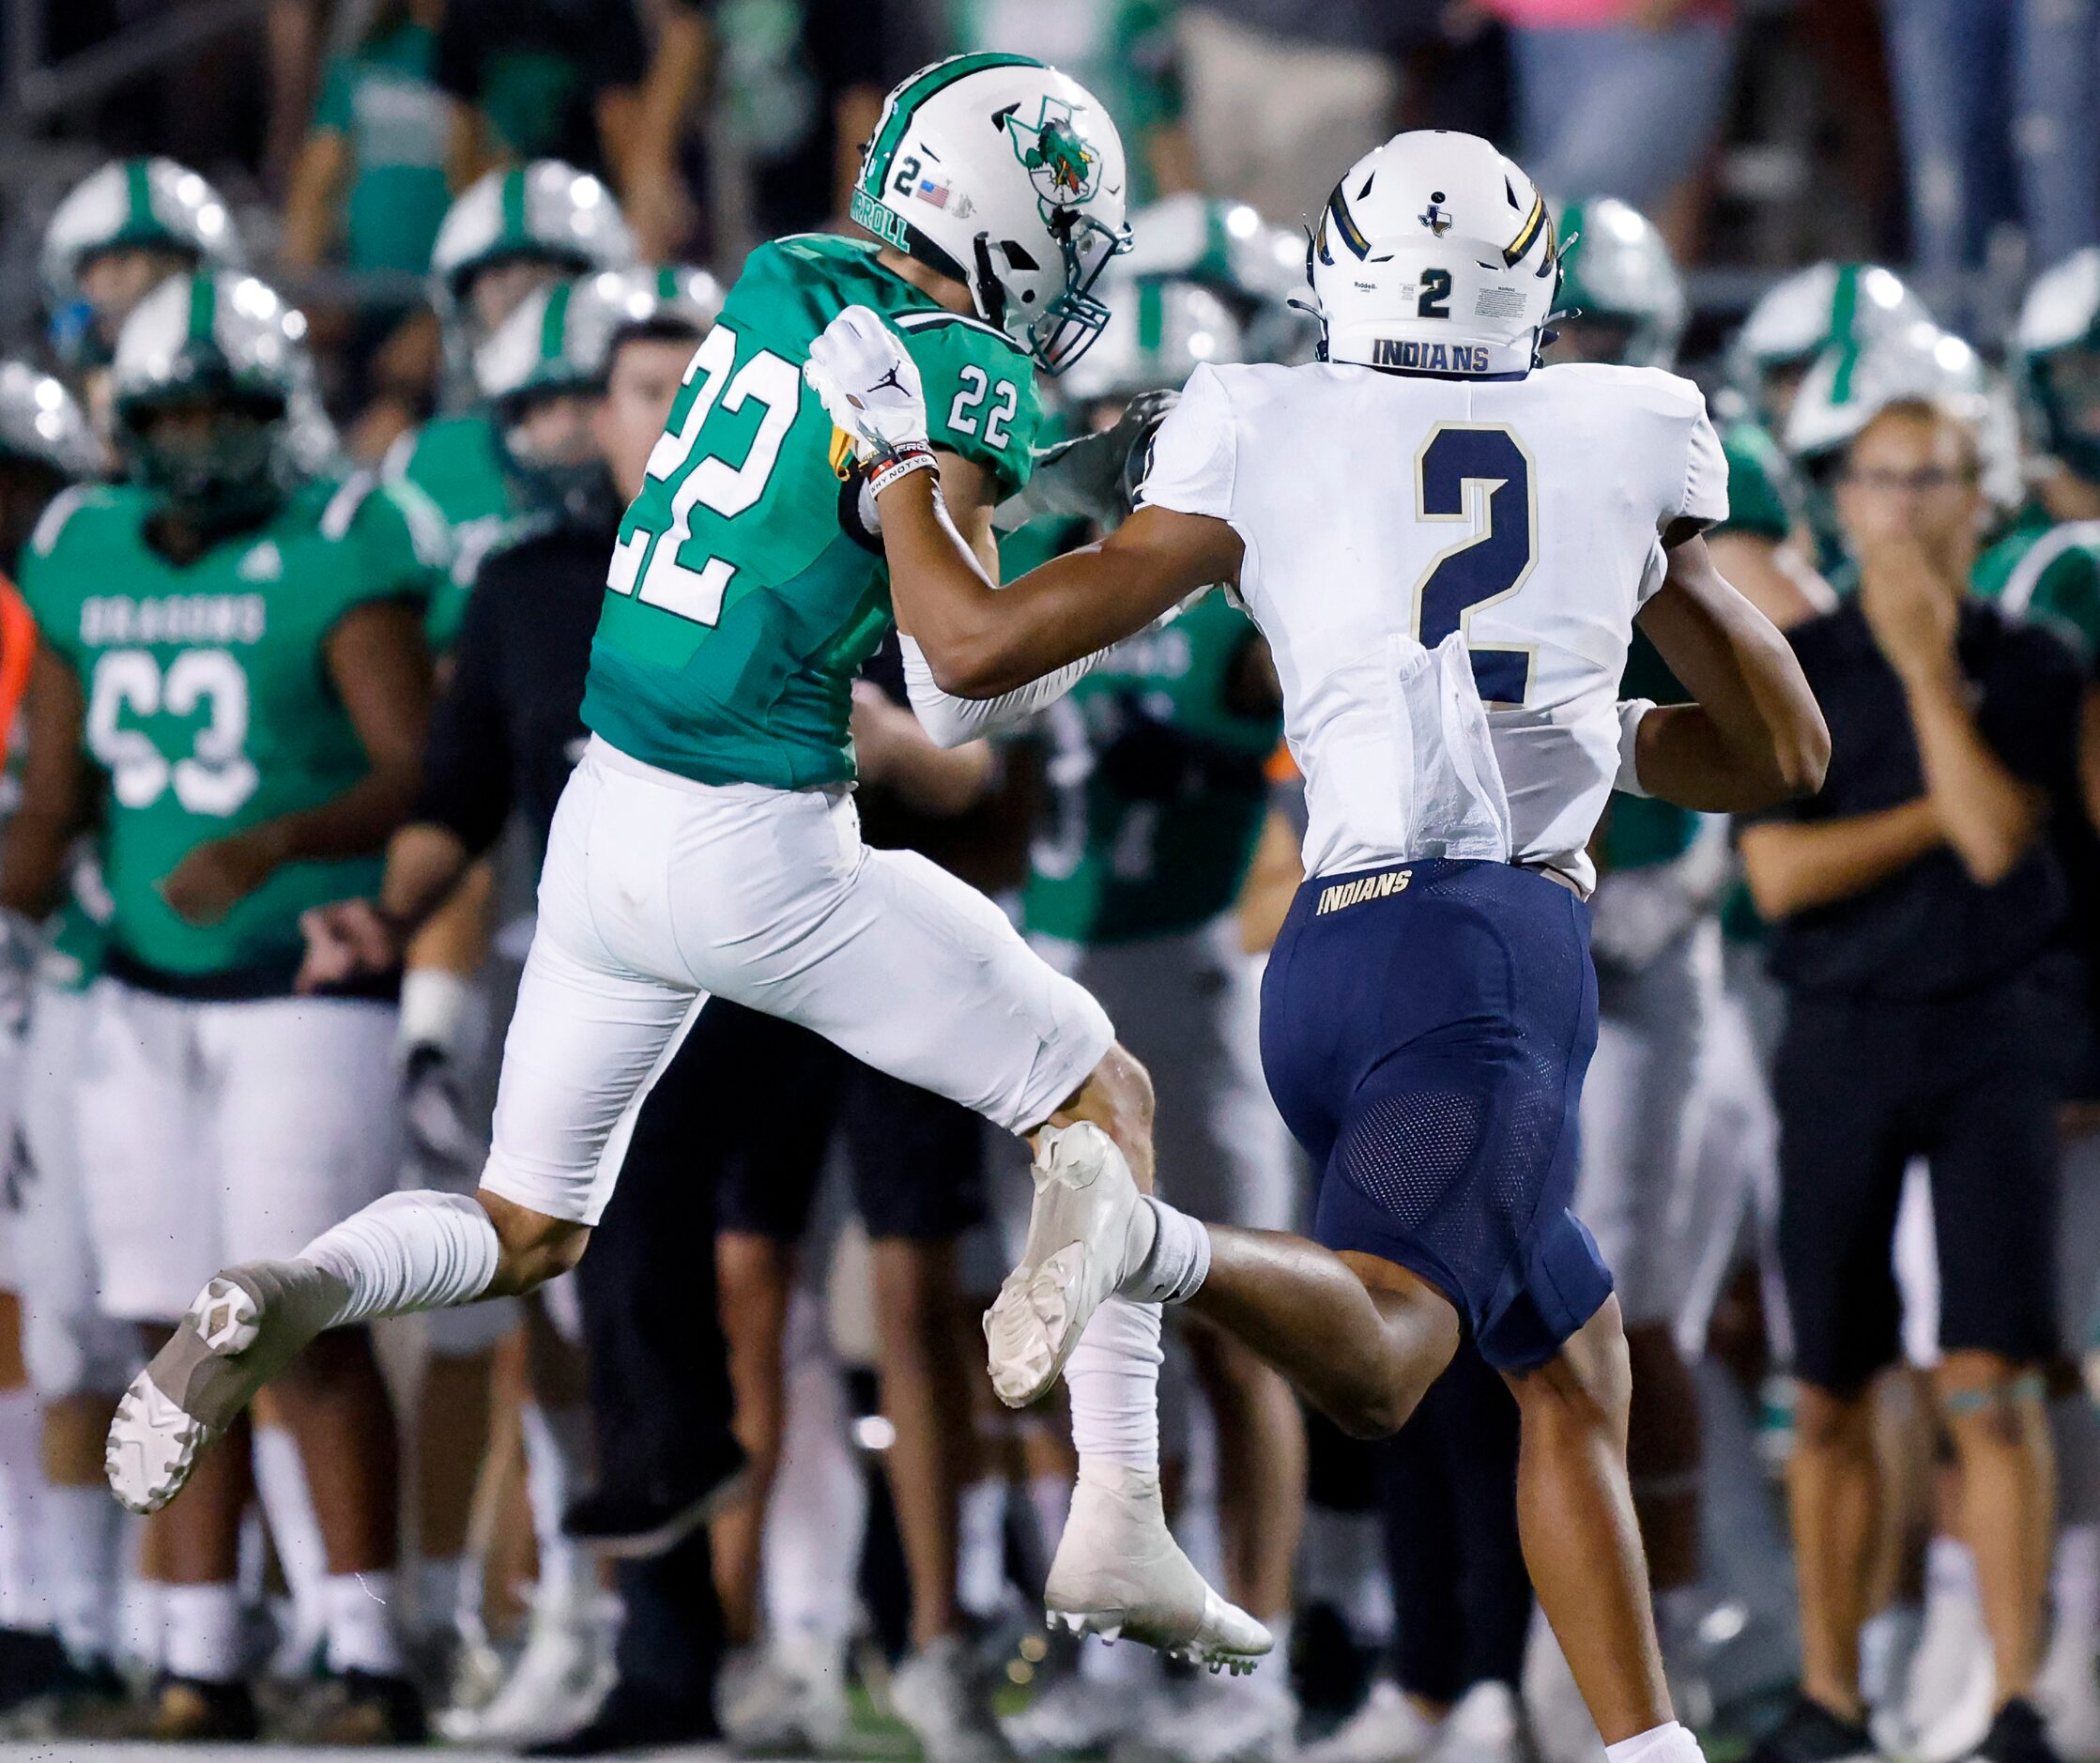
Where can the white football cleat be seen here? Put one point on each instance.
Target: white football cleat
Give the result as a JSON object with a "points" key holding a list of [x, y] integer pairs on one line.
{"points": [[1224, 1720], [1088, 1230], [1120, 1574], [1484, 1727], [948, 1706], [1388, 1729], [558, 1684], [788, 1696], [1077, 1713], [1948, 1703], [2067, 1693], [244, 1327]]}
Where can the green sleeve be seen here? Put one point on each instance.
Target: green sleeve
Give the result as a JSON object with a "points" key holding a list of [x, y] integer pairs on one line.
{"points": [[334, 110], [980, 395], [48, 574], [398, 544], [1757, 494], [2069, 593]]}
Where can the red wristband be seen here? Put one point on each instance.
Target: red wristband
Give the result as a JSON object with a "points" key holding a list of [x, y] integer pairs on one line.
{"points": [[886, 469]]}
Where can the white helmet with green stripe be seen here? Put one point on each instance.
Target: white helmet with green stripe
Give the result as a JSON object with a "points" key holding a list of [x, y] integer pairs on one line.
{"points": [[2058, 343], [1849, 382], [1160, 331], [1007, 176], [1825, 304], [548, 212], [1256, 268], [561, 338], [151, 204], [227, 343], [1617, 271]]}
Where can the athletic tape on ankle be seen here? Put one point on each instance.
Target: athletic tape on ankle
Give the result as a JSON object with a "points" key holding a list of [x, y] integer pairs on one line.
{"points": [[2030, 1387]]}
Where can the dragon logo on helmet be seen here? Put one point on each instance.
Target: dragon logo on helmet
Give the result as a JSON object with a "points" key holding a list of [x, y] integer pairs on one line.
{"points": [[1059, 163]]}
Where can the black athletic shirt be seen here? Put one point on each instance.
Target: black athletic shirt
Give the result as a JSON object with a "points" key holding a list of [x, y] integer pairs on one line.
{"points": [[1929, 930], [507, 729]]}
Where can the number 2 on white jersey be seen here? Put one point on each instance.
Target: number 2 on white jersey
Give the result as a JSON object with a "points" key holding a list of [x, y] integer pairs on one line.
{"points": [[1480, 474], [766, 379]]}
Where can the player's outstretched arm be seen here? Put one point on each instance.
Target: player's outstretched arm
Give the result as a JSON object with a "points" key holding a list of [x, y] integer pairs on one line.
{"points": [[1754, 736], [981, 640]]}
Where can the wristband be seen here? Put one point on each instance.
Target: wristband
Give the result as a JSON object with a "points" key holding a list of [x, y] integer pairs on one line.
{"points": [[893, 465], [1631, 713], [433, 1005]]}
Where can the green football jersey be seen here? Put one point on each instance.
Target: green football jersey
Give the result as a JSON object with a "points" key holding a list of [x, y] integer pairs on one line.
{"points": [[1157, 786], [739, 607], [455, 462], [1763, 501], [208, 705], [2051, 569]]}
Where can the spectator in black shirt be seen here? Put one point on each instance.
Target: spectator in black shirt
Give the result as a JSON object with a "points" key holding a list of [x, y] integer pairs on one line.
{"points": [[1933, 1010]]}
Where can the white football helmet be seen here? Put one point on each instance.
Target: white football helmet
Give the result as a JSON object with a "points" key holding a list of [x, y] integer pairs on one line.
{"points": [[2058, 346], [561, 338], [1007, 176], [147, 202], [39, 422], [1435, 254], [1849, 382], [1616, 269], [1798, 317], [1158, 333], [1256, 268]]}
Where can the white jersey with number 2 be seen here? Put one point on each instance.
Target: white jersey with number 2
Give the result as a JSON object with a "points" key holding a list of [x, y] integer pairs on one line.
{"points": [[1447, 572]]}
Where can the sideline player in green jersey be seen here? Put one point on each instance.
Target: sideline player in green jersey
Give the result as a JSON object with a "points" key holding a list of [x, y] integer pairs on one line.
{"points": [[233, 680], [707, 842], [510, 233]]}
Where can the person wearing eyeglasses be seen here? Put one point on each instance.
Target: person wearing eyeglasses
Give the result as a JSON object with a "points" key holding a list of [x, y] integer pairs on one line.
{"points": [[1935, 1009]]}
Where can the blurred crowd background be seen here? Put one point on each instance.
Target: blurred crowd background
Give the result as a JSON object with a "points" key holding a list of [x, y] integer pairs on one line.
{"points": [[1871, 228]]}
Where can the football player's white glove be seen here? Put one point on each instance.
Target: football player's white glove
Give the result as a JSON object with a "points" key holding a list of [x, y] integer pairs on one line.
{"points": [[870, 385]]}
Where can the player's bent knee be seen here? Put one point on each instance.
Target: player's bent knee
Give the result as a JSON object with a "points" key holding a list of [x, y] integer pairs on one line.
{"points": [[535, 1248], [1827, 1421], [1989, 1402], [1375, 1413]]}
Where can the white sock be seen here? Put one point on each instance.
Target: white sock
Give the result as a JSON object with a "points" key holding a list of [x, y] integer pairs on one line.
{"points": [[1114, 1379], [817, 1517], [409, 1251], [77, 1541], [358, 1609], [1671, 1743], [1341, 1564], [22, 1479], [557, 1460], [1888, 1639], [293, 1526], [201, 1631], [981, 1546], [1050, 1497], [2075, 1581], [439, 1584], [1179, 1261], [1950, 1570]]}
